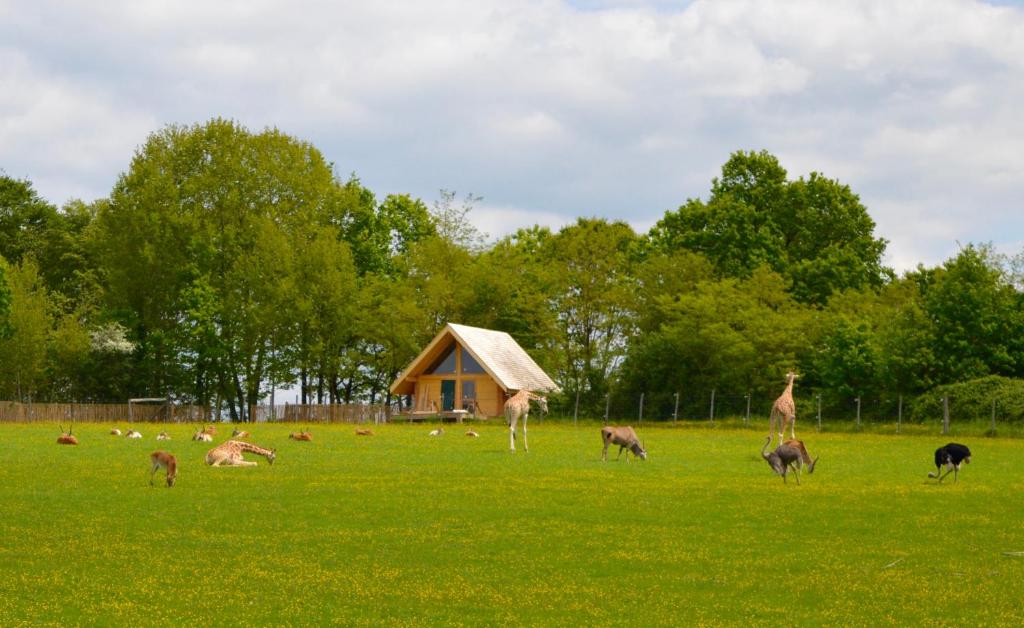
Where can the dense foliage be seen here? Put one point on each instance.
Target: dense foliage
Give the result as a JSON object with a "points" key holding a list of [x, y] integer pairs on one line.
{"points": [[227, 264]]}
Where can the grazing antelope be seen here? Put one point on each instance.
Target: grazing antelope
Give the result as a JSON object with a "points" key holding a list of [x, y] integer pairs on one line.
{"points": [[163, 436], [952, 455], [133, 434], [66, 438], [518, 405], [438, 432], [784, 458], [625, 438], [237, 433], [305, 435], [115, 432], [364, 432], [230, 452], [472, 434], [805, 458], [165, 461]]}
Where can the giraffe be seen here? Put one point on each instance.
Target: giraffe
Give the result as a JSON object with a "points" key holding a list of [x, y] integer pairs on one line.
{"points": [[230, 453], [785, 410], [518, 405]]}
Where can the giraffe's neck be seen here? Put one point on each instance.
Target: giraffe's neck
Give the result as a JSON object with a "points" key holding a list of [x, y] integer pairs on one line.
{"points": [[256, 449]]}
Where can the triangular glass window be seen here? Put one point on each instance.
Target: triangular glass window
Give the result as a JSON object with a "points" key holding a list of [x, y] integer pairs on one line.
{"points": [[469, 365], [445, 363]]}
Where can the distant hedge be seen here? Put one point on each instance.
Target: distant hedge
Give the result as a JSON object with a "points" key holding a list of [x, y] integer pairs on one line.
{"points": [[972, 400]]}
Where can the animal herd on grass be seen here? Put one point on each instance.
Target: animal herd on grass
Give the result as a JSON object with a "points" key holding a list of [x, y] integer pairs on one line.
{"points": [[789, 455]]}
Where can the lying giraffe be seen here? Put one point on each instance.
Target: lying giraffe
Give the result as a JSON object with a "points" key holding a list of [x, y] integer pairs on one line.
{"points": [[230, 453]]}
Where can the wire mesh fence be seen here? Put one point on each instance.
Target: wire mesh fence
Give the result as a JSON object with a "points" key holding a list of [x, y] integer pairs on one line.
{"points": [[822, 411]]}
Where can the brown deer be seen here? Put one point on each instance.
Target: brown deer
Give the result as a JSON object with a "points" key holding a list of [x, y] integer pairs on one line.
{"points": [[237, 433], [805, 458], [66, 438], [163, 436], [205, 434], [165, 461], [115, 432], [625, 438], [364, 432], [305, 435]]}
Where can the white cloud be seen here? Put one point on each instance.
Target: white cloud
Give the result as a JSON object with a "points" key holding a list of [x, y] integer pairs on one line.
{"points": [[559, 109]]}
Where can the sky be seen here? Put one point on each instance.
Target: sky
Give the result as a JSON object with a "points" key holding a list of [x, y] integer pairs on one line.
{"points": [[549, 110]]}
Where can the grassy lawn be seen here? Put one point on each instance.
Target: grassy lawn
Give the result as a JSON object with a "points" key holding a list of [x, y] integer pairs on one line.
{"points": [[400, 528]]}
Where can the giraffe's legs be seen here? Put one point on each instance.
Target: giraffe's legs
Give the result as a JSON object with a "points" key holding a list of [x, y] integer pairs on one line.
{"points": [[512, 433], [526, 446]]}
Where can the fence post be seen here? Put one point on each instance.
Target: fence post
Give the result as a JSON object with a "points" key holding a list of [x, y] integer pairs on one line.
{"points": [[675, 411], [712, 419], [746, 417], [899, 416], [945, 415], [607, 404], [819, 412], [641, 420], [858, 412]]}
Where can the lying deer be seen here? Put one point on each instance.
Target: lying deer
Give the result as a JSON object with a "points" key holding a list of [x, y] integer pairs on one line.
{"points": [[133, 434], [165, 461], [115, 432], [205, 435], [163, 436], [625, 438], [66, 438], [237, 433], [364, 432], [305, 435]]}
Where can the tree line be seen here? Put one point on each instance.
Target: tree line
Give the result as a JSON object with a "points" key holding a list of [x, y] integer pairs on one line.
{"points": [[227, 263]]}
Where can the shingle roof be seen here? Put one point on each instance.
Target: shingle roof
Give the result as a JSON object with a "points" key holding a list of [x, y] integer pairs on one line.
{"points": [[497, 352]]}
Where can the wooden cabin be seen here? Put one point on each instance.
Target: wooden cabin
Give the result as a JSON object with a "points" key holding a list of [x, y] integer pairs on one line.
{"points": [[469, 371]]}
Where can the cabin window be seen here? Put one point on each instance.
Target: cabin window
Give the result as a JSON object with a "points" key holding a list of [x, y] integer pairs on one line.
{"points": [[469, 365], [445, 363]]}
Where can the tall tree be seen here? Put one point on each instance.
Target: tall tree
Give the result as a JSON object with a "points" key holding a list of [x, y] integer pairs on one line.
{"points": [[199, 236], [814, 231]]}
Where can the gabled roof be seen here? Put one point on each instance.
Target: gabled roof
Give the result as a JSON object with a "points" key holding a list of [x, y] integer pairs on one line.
{"points": [[496, 351]]}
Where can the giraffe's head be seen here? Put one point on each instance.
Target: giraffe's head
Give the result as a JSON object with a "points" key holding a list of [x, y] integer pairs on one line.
{"points": [[543, 403], [271, 456]]}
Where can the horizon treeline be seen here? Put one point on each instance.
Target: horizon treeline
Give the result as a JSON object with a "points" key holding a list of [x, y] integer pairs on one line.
{"points": [[226, 263]]}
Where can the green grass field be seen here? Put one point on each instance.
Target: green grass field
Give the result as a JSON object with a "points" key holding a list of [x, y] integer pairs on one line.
{"points": [[400, 528]]}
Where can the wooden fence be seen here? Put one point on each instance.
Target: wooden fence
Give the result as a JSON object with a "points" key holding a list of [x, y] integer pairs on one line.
{"points": [[322, 413], [15, 412]]}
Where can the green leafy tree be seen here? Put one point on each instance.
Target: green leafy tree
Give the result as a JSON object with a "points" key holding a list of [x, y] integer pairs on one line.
{"points": [[593, 298], [23, 369], [198, 248], [814, 231], [977, 317]]}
